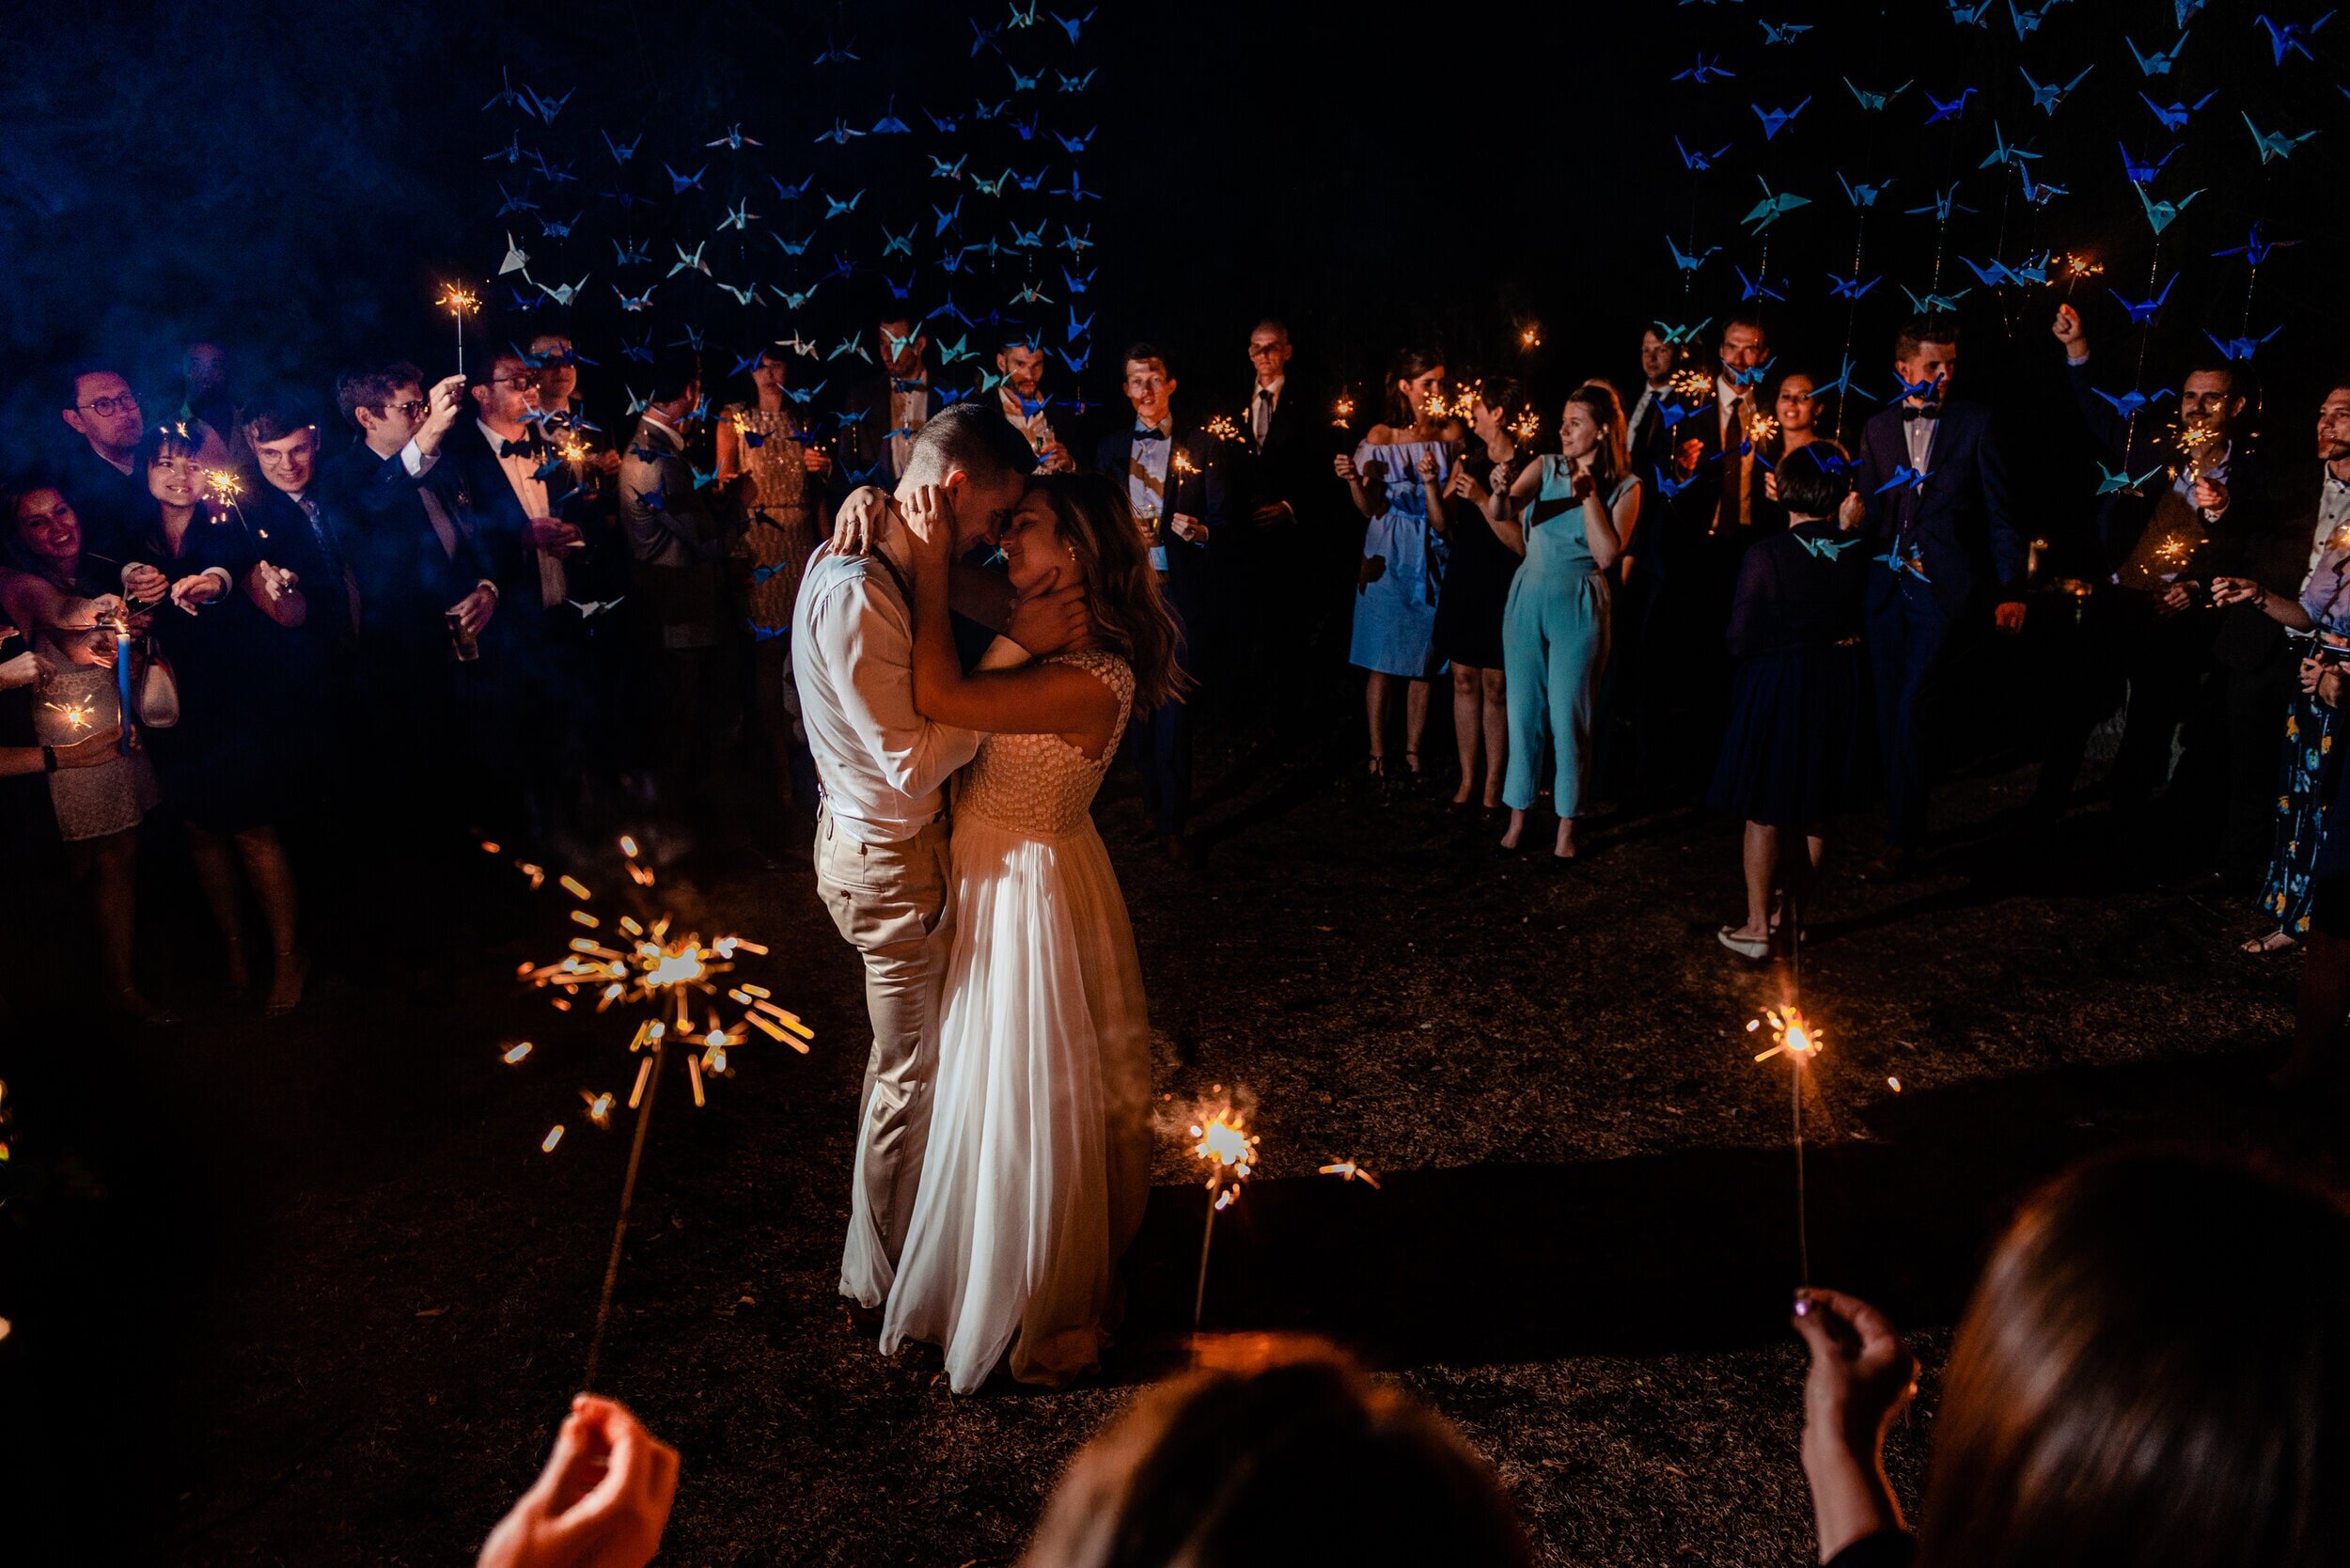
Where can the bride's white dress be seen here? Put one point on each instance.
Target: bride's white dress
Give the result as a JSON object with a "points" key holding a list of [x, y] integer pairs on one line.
{"points": [[1039, 1148]]}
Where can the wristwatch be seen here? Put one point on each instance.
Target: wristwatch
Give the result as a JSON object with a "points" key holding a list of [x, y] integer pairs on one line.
{"points": [[49, 759]]}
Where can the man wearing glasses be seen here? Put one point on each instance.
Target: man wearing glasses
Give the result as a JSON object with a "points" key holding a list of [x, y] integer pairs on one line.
{"points": [[110, 500]]}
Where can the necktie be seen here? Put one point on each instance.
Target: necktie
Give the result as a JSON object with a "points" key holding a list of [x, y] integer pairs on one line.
{"points": [[1733, 508], [1263, 413], [1148, 432], [318, 524]]}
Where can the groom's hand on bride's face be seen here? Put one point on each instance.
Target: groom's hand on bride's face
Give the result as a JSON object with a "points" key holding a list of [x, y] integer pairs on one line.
{"points": [[1050, 616], [856, 527]]}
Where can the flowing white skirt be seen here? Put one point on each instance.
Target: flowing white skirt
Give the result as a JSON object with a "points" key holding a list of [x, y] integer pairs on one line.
{"points": [[1039, 1148]]}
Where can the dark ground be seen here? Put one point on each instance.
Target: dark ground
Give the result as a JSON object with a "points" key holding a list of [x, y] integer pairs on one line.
{"points": [[309, 1292]]}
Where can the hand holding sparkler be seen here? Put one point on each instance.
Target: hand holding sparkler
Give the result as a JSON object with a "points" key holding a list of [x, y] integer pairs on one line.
{"points": [[2069, 332], [1862, 1377], [277, 584], [25, 669], [206, 587], [144, 584], [601, 1501]]}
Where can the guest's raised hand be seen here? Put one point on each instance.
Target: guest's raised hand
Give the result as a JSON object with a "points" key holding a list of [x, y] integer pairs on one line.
{"points": [[2175, 598], [2233, 590], [1861, 1374], [447, 401], [2068, 331], [816, 460], [25, 669], [858, 525], [142, 582], [202, 589], [276, 582], [1850, 509], [550, 533], [1050, 616], [601, 1502], [1770, 483], [2210, 495], [1688, 456], [1188, 528], [1343, 466], [1427, 467]]}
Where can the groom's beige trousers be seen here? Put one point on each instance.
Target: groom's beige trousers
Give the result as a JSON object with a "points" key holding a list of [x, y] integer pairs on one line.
{"points": [[891, 900]]}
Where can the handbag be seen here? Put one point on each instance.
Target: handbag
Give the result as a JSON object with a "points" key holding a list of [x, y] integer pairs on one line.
{"points": [[157, 699]]}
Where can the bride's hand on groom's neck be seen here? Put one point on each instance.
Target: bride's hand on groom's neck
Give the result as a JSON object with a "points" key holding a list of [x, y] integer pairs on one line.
{"points": [[1053, 617], [928, 513], [861, 522]]}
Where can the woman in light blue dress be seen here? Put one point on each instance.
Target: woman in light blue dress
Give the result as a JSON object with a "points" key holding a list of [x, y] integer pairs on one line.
{"points": [[1573, 515], [1397, 479]]}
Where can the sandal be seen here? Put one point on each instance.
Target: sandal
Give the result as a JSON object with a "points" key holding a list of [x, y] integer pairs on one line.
{"points": [[1750, 948], [2275, 942]]}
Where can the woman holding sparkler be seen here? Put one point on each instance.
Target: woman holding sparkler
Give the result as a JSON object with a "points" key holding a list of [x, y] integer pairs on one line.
{"points": [[2154, 1370], [1396, 479], [225, 764], [1791, 756], [2311, 762], [1572, 514], [1040, 1139], [1477, 583], [62, 602]]}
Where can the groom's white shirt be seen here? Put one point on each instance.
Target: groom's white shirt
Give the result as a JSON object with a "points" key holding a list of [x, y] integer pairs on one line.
{"points": [[883, 765]]}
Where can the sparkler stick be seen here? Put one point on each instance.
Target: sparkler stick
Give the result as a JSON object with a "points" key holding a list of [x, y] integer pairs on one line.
{"points": [[460, 302], [1800, 1041], [1230, 1153], [652, 1082]]}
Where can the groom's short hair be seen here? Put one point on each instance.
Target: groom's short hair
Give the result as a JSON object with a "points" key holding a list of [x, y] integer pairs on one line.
{"points": [[974, 437]]}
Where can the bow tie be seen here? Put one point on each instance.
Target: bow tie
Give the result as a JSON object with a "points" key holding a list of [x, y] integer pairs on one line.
{"points": [[529, 446], [1143, 432], [896, 385], [1931, 411]]}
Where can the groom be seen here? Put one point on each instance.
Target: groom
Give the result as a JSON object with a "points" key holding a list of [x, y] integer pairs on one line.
{"points": [[881, 833]]}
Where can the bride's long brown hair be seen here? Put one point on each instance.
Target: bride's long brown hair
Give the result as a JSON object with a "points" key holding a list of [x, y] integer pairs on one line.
{"points": [[1130, 614]]}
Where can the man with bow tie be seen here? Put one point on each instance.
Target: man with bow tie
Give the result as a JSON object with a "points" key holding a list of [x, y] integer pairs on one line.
{"points": [[1931, 494], [886, 410], [512, 497], [1177, 489]]}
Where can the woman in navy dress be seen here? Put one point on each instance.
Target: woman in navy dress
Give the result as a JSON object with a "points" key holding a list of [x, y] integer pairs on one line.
{"points": [[1477, 584], [1396, 479], [226, 764], [1791, 756]]}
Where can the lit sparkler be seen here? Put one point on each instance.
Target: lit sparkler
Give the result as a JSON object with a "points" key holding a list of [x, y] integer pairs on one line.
{"points": [[77, 714], [459, 301], [675, 981], [1761, 428], [1800, 1041], [1530, 336], [1229, 1149], [1344, 410], [1221, 427], [1350, 1171], [1691, 384], [1526, 428]]}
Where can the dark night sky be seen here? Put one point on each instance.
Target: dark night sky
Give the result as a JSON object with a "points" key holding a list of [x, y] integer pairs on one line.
{"points": [[294, 186]]}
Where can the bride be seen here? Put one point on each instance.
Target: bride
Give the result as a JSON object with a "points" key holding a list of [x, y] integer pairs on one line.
{"points": [[1040, 1146]]}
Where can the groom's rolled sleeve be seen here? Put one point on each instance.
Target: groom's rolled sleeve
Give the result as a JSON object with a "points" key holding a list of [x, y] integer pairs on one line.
{"points": [[867, 634]]}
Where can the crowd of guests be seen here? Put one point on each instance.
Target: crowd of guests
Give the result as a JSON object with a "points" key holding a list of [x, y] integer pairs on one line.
{"points": [[2153, 1369], [465, 598]]}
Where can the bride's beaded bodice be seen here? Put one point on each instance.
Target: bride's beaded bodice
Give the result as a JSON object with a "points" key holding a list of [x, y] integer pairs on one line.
{"points": [[1041, 785]]}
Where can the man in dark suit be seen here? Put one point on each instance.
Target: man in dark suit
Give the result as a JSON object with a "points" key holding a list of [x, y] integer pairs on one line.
{"points": [[96, 471], [2144, 627], [1684, 566], [678, 549], [496, 476], [1266, 575], [1933, 498], [1177, 486], [1644, 419], [424, 589], [884, 410]]}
